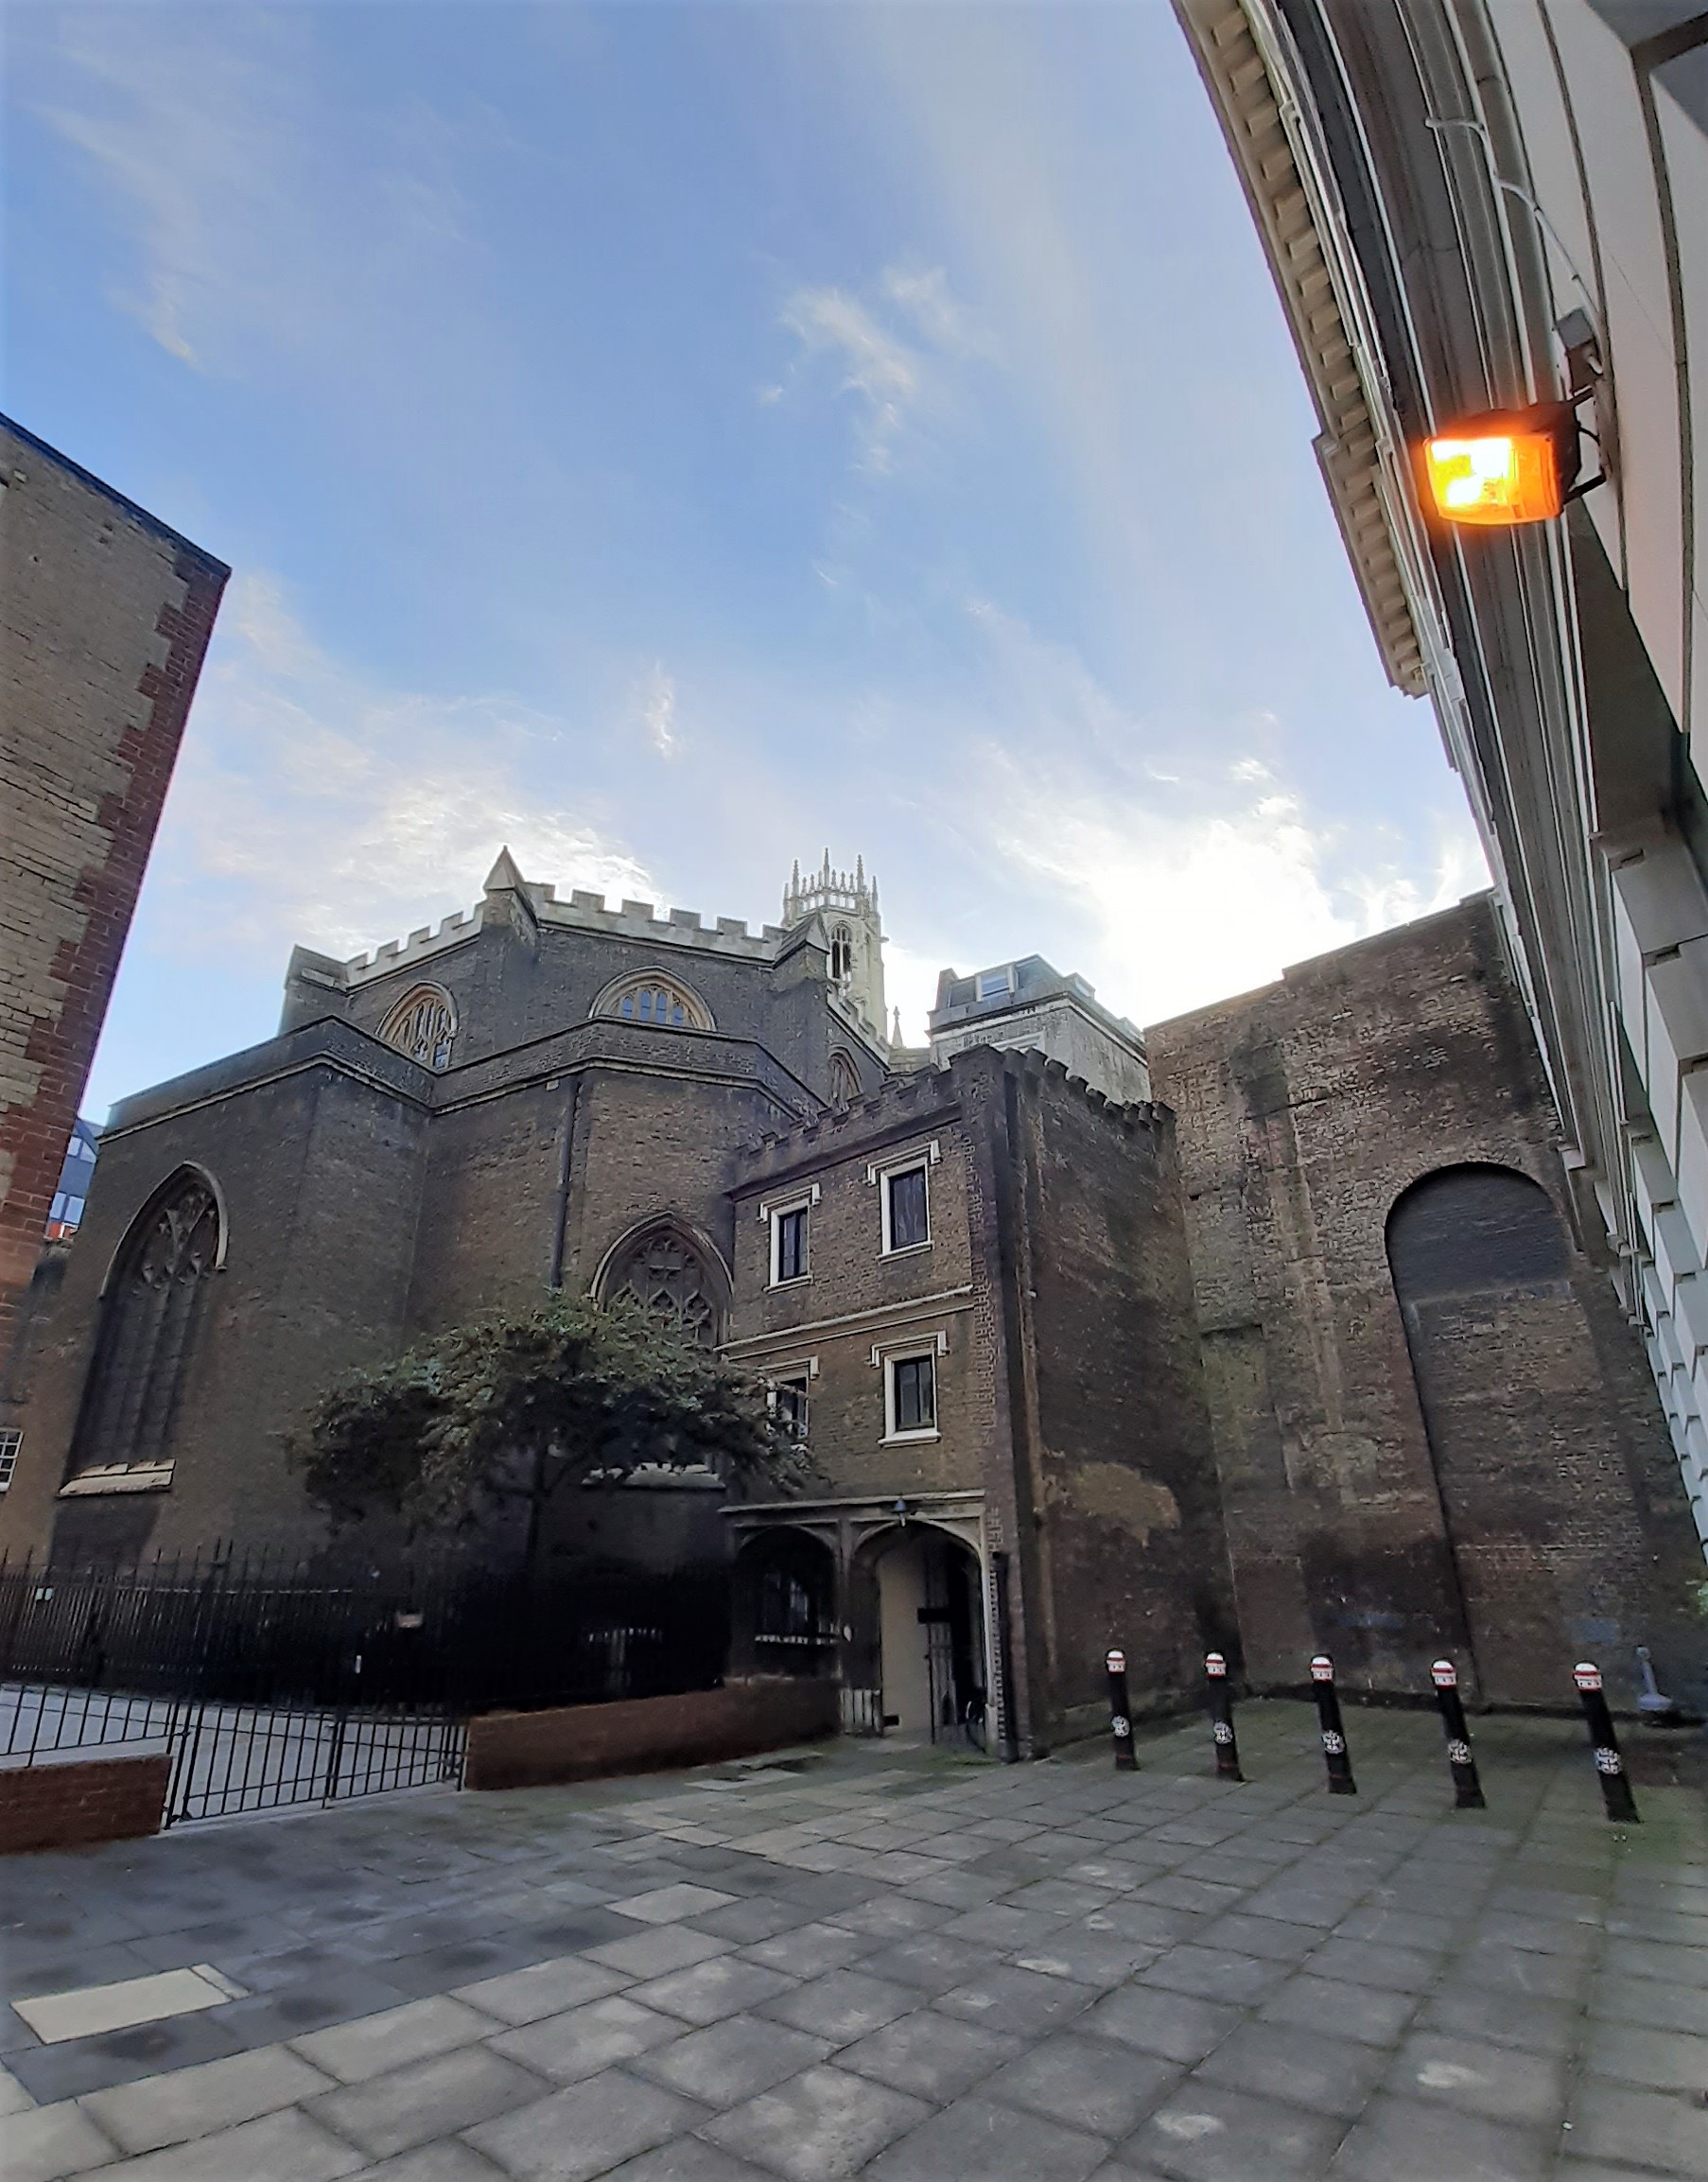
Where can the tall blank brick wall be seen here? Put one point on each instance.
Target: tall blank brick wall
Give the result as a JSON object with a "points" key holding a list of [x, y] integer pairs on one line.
{"points": [[105, 617]]}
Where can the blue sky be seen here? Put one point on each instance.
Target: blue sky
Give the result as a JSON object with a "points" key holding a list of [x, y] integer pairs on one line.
{"points": [[676, 439]]}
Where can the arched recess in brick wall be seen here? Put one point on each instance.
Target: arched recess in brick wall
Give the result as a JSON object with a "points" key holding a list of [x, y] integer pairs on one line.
{"points": [[1522, 1433], [153, 1311], [424, 1025], [676, 1276]]}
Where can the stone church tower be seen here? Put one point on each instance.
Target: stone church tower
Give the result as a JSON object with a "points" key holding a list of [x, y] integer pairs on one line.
{"points": [[848, 904]]}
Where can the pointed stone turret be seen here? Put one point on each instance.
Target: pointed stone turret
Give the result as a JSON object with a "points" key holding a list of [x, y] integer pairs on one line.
{"points": [[509, 902], [504, 878]]}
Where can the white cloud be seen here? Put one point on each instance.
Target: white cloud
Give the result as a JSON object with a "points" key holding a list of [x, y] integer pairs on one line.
{"points": [[658, 711], [310, 806], [891, 376], [924, 295]]}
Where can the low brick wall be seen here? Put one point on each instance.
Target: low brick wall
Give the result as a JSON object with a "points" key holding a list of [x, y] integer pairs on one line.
{"points": [[643, 1734], [63, 1807]]}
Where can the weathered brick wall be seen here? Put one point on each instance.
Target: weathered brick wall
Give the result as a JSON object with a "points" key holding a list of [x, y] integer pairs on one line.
{"points": [[1304, 1111], [106, 618], [1116, 1512], [870, 1300], [65, 1807], [643, 1734]]}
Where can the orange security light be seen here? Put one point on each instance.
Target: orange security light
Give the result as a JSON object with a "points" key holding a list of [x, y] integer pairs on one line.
{"points": [[1509, 466]]}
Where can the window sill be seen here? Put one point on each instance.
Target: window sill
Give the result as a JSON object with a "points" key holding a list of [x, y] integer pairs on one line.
{"points": [[157, 1479], [907, 1250], [904, 1438], [794, 1280]]}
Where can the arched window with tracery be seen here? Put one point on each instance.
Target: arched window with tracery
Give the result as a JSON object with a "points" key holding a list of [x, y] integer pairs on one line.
{"points": [[672, 1279], [657, 998], [424, 1025], [842, 954], [844, 1080], [156, 1300]]}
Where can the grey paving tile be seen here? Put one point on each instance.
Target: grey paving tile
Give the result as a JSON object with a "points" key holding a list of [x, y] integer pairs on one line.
{"points": [[1658, 2129], [669, 1905], [656, 1952], [932, 2057], [1101, 1959], [1521, 1971], [373, 2044], [1270, 1937], [286, 2147], [1218, 1973], [583, 2041], [449, 2161], [687, 2159], [934, 1962], [1536, 1935], [1149, 1922], [1171, 2025], [1344, 2011], [428, 2099], [1652, 2002], [1660, 2060], [843, 2004], [1652, 1959], [1368, 1962], [1416, 2140], [1000, 1926], [757, 1918], [976, 2142], [81, 2064], [543, 1989], [818, 2126], [1324, 2075], [1208, 2133], [49, 2142], [167, 2109], [1502, 2082], [291, 2011], [571, 2135], [707, 1992], [886, 1914], [1086, 2083], [812, 1950], [1023, 2003], [1502, 2018], [1176, 1893], [731, 2060]]}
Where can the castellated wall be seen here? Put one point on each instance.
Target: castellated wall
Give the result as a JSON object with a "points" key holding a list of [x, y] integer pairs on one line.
{"points": [[1484, 1472], [105, 617]]}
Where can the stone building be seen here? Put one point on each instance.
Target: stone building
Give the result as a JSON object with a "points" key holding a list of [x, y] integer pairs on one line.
{"points": [[1075, 1366]]}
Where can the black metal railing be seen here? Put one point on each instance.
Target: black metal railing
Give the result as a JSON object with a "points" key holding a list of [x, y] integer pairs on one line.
{"points": [[275, 1680]]}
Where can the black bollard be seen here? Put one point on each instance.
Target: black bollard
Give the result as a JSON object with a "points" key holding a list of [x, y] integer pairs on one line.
{"points": [[1221, 1718], [1467, 1789], [1121, 1718], [1333, 1735], [1604, 1744]]}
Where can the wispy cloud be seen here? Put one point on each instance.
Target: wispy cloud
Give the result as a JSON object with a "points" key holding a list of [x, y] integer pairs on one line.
{"points": [[658, 705], [310, 805]]}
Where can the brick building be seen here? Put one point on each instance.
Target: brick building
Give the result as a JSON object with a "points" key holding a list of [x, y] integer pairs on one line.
{"points": [[1072, 1370], [105, 615]]}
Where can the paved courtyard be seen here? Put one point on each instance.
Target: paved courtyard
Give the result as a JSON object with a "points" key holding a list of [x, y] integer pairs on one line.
{"points": [[891, 1964]]}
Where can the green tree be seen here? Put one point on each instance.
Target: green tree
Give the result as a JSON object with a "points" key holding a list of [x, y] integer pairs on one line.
{"points": [[506, 1412]]}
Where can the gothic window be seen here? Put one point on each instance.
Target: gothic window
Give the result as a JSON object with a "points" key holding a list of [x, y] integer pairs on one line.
{"points": [[665, 1271], [423, 1026], [842, 954], [657, 1000], [155, 1306], [845, 1079]]}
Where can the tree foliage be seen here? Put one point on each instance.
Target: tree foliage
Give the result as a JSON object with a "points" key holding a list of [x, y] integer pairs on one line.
{"points": [[509, 1410]]}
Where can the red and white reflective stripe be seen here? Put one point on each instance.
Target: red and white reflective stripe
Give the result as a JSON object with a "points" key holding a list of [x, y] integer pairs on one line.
{"points": [[1587, 1675], [1322, 1668], [1215, 1663], [1445, 1674], [1115, 1662]]}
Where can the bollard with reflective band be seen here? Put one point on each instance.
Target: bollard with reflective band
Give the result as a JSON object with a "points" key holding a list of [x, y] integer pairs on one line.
{"points": [[1604, 1744], [1221, 1718], [1121, 1715], [1467, 1789], [1334, 1754]]}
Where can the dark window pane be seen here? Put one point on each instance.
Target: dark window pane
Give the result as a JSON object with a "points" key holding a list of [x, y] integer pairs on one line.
{"points": [[906, 1209], [791, 1245], [916, 1394], [791, 1407]]}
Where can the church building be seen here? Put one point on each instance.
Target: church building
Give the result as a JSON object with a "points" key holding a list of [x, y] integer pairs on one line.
{"points": [[1266, 1330]]}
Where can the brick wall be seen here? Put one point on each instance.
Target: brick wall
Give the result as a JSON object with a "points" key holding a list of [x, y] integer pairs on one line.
{"points": [[107, 616], [1304, 1112], [63, 1806], [644, 1734]]}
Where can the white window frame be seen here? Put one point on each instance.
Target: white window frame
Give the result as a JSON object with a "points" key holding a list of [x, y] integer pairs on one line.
{"points": [[11, 1442], [997, 991], [801, 1371], [924, 1157], [772, 1212], [887, 1357]]}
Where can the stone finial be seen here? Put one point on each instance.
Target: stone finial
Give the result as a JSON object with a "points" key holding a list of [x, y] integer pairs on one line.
{"points": [[504, 878]]}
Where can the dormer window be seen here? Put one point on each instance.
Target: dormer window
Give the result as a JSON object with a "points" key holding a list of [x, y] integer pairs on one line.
{"points": [[996, 984], [423, 1026], [658, 1000]]}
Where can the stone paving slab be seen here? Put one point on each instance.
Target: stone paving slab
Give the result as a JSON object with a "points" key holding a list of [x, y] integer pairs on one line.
{"points": [[896, 1964]]}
